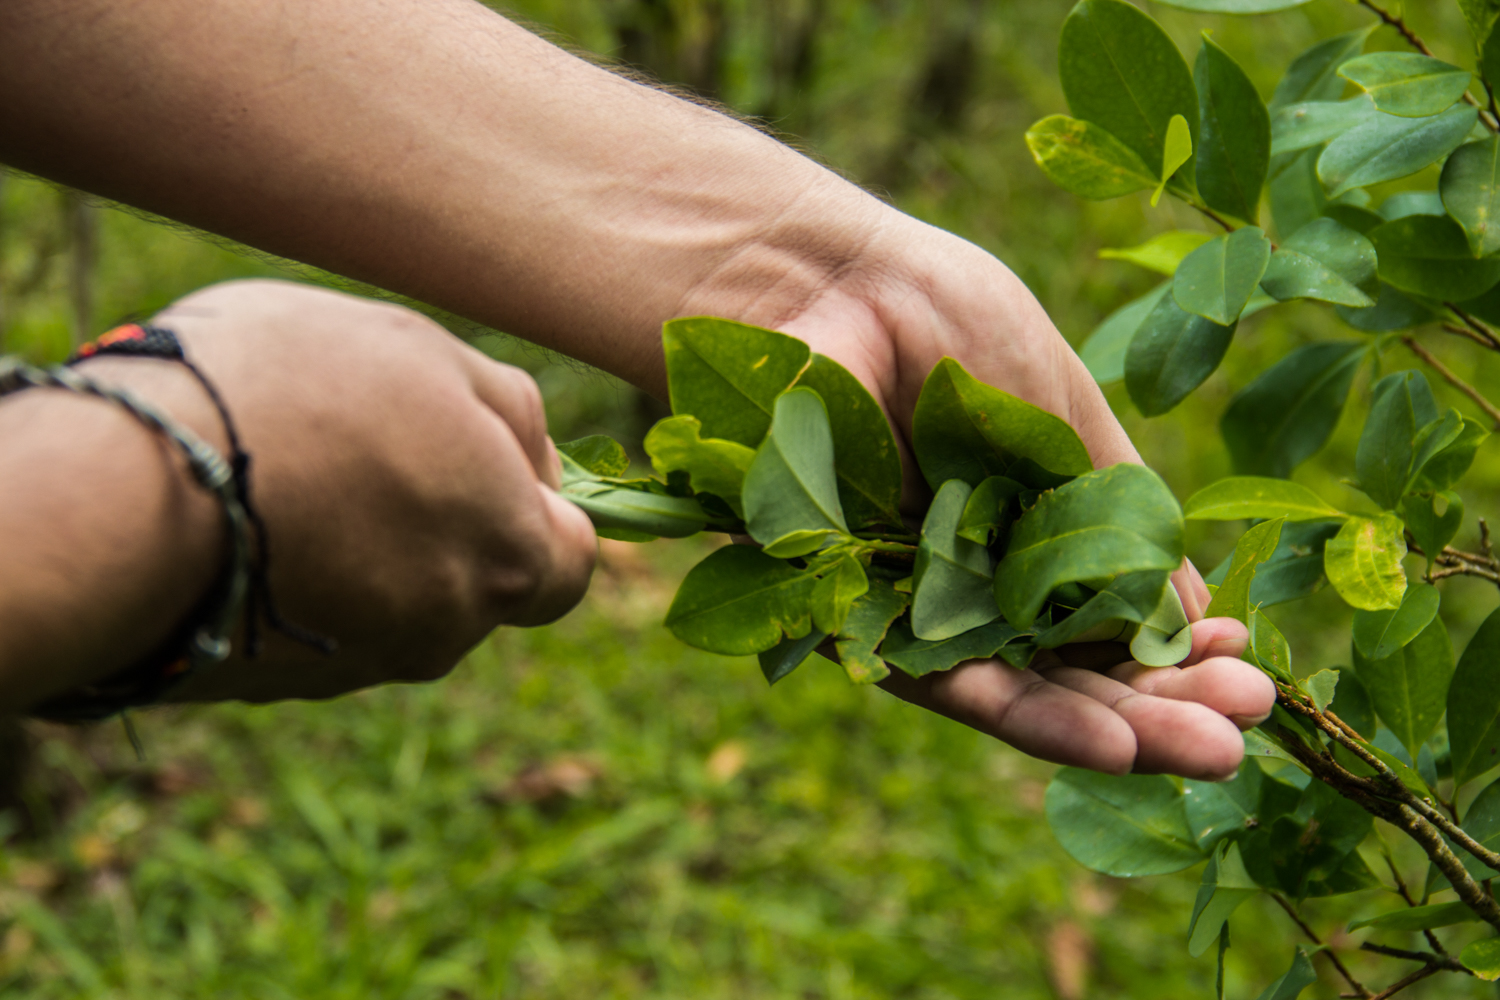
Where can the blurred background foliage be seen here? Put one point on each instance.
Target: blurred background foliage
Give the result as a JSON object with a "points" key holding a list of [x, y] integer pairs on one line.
{"points": [[592, 809]]}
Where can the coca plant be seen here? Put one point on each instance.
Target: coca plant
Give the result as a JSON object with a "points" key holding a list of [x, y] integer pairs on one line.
{"points": [[1026, 547], [1406, 734]]}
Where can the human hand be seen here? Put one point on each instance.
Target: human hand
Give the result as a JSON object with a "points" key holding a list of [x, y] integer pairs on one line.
{"points": [[916, 294], [406, 482]]}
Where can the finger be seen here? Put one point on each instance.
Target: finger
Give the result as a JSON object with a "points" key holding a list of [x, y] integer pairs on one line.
{"points": [[1217, 637], [1024, 710], [1172, 736], [1192, 590], [570, 549], [1229, 686], [515, 397]]}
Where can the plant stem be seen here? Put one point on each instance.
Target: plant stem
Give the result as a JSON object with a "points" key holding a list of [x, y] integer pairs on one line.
{"points": [[1482, 333], [881, 536], [1419, 820], [1358, 987], [1490, 409], [1437, 946], [896, 547], [1415, 41], [1402, 984], [1214, 216]]}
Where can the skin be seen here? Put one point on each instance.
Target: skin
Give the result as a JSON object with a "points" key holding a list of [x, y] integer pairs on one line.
{"points": [[438, 150]]}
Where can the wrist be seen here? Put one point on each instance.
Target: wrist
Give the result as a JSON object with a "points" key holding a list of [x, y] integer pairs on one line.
{"points": [[109, 542]]}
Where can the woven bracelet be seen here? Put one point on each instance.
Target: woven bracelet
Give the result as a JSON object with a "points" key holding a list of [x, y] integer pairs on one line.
{"points": [[209, 643]]}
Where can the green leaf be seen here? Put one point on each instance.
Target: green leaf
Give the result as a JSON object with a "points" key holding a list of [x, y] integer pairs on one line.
{"points": [[1322, 686], [838, 587], [1296, 194], [1474, 704], [1433, 519], [1383, 459], [1216, 280], [1129, 598], [1471, 193], [1225, 886], [1219, 809], [1392, 310], [1480, 16], [1234, 6], [1388, 147], [1269, 647], [1410, 689], [1448, 465], [1120, 71], [618, 509], [1432, 440], [1310, 124], [1313, 75], [1363, 562], [1419, 918], [740, 601], [1430, 256], [1292, 982], [1117, 520], [1257, 497], [1406, 83], [1170, 355], [729, 374], [952, 582], [1356, 217], [964, 429], [598, 453], [787, 655], [865, 629], [1162, 252], [1382, 634], [1404, 203], [990, 509], [864, 449], [1287, 414], [1351, 703], [1104, 352], [1080, 157], [1165, 638], [1125, 826], [1482, 958], [1179, 149], [918, 657], [1294, 571], [1232, 599], [1482, 822], [791, 493], [712, 465], [1323, 260]]}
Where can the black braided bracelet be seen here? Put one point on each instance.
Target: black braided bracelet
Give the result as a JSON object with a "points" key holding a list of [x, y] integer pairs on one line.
{"points": [[209, 641]]}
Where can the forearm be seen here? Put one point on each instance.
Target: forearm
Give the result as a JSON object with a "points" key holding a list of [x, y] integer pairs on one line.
{"points": [[434, 149], [107, 544]]}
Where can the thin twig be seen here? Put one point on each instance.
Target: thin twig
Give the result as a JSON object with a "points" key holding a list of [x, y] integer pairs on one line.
{"points": [[1490, 409], [1399, 985], [1445, 962], [1358, 987], [1484, 334], [1437, 946], [1214, 216], [1463, 331]]}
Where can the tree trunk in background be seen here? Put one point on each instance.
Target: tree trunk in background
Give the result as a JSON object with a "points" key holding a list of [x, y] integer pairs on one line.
{"points": [[83, 253]]}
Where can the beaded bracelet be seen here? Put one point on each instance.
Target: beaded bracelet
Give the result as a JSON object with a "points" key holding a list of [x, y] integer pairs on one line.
{"points": [[209, 641]]}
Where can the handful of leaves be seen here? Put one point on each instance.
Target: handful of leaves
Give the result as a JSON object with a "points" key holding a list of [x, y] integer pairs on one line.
{"points": [[1025, 545]]}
